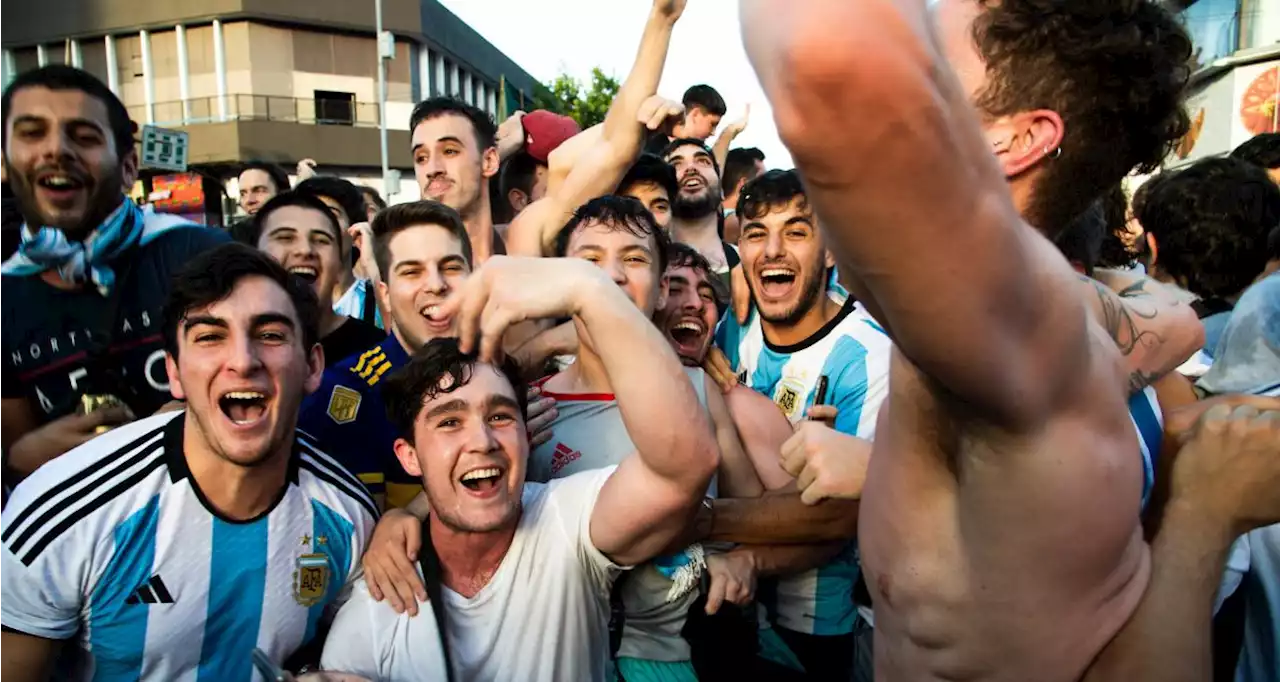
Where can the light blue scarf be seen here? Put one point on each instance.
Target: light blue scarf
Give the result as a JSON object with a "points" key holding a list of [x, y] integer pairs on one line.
{"points": [[79, 261]]}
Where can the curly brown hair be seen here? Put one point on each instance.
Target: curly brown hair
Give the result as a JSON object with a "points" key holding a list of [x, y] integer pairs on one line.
{"points": [[1116, 72]]}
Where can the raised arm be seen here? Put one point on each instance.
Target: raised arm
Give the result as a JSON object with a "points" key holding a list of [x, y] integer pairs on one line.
{"points": [[599, 166], [1000, 327], [653, 494]]}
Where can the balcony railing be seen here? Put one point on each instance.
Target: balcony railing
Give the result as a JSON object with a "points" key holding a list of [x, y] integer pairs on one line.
{"points": [[260, 108]]}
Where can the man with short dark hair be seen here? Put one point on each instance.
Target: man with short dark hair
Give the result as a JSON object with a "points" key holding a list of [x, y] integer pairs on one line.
{"points": [[454, 155], [463, 432], [423, 255], [1006, 457], [258, 182], [1261, 150], [298, 230], [173, 547], [741, 165], [354, 292], [83, 293], [703, 109], [652, 182], [1207, 226], [696, 207]]}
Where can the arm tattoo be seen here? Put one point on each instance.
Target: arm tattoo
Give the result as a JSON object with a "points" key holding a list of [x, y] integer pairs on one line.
{"points": [[1122, 314]]}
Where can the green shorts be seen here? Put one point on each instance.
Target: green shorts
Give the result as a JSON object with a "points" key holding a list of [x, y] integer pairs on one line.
{"points": [[641, 670]]}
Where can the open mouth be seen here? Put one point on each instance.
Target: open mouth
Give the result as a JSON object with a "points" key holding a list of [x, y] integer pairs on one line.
{"points": [[693, 183], [305, 272], [243, 407], [59, 182], [776, 282], [482, 480], [432, 314], [438, 187], [687, 333]]}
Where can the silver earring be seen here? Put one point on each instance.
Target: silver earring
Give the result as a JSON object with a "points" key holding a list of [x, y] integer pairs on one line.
{"points": [[1053, 154]]}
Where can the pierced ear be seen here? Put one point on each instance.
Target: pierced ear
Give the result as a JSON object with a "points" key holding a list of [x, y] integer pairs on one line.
{"points": [[408, 456], [1025, 140], [175, 384]]}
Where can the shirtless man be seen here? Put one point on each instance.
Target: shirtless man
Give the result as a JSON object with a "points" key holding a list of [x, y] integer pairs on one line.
{"points": [[999, 523]]}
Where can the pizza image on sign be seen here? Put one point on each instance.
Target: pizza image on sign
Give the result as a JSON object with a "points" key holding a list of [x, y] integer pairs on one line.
{"points": [[1258, 106]]}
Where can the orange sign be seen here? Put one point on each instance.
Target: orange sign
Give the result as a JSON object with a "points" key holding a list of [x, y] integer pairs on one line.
{"points": [[1258, 106]]}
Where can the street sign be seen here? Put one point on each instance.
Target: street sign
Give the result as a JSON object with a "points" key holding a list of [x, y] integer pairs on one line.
{"points": [[164, 149]]}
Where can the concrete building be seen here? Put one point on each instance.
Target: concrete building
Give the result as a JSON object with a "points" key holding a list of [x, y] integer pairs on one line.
{"points": [[270, 80], [1235, 89]]}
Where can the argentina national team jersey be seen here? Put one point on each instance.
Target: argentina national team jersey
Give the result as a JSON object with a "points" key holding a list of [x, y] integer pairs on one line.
{"points": [[113, 547], [853, 352], [1148, 421]]}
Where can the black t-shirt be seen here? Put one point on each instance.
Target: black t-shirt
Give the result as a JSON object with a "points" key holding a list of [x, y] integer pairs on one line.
{"points": [[354, 336], [47, 332]]}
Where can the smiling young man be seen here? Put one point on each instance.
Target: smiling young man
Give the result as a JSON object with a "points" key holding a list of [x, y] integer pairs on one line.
{"points": [[299, 232], [172, 547], [527, 568], [82, 296], [423, 254], [805, 347]]}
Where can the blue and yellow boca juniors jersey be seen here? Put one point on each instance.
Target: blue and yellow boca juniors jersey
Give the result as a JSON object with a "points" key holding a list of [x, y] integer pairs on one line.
{"points": [[348, 418]]}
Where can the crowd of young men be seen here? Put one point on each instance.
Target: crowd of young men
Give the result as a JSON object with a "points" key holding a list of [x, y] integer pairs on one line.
{"points": [[683, 417]]}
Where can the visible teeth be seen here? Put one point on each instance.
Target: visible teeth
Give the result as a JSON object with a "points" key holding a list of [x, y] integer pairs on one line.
{"points": [[775, 272], [689, 326], [303, 270], [431, 310], [492, 472], [245, 395]]}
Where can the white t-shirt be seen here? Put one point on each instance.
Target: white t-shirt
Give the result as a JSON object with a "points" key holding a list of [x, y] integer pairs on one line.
{"points": [[544, 616]]}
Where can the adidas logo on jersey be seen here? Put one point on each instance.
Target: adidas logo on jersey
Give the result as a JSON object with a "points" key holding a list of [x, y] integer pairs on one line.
{"points": [[562, 457], [151, 592]]}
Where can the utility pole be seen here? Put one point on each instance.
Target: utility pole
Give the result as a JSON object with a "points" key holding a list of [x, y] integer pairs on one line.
{"points": [[386, 50]]}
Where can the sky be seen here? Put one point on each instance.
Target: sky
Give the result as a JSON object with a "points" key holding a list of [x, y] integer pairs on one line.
{"points": [[549, 37]]}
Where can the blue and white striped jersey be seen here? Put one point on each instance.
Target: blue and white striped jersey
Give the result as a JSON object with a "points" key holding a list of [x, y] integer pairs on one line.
{"points": [[114, 547], [1148, 420], [853, 352]]}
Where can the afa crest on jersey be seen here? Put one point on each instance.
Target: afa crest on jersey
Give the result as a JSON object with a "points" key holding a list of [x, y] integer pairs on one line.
{"points": [[788, 396], [310, 579], [344, 405]]}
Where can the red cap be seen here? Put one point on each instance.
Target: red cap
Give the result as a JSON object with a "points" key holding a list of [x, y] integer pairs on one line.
{"points": [[544, 131]]}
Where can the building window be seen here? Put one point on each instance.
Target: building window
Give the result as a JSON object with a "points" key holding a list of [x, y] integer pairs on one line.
{"points": [[335, 108]]}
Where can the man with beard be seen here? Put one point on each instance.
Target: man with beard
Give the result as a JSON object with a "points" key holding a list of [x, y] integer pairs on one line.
{"points": [[999, 522], [164, 549], [525, 570], [454, 155], [423, 255], [299, 232], [815, 355], [696, 209], [82, 295]]}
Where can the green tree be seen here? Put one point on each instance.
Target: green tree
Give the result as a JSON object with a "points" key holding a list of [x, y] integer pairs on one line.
{"points": [[565, 95]]}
